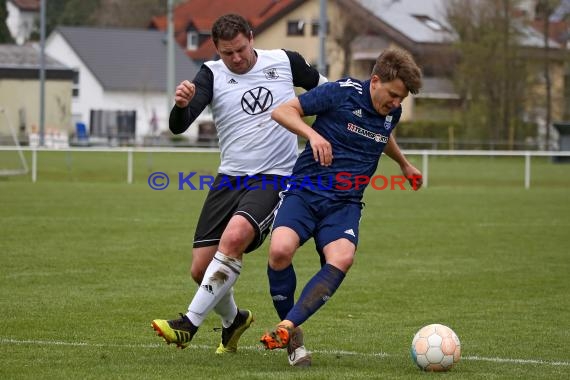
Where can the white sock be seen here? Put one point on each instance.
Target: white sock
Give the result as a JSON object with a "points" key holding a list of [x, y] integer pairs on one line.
{"points": [[227, 308], [220, 276]]}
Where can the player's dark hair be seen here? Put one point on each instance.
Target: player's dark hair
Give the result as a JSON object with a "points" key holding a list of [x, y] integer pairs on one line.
{"points": [[395, 63], [227, 27]]}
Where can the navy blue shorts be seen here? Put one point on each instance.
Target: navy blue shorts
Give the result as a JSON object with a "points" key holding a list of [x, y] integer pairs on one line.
{"points": [[321, 218]]}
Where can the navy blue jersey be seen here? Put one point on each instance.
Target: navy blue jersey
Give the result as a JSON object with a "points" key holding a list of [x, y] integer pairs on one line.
{"points": [[357, 133]]}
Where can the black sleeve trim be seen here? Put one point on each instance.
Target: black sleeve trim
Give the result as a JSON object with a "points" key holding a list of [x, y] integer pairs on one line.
{"points": [[304, 75], [181, 118]]}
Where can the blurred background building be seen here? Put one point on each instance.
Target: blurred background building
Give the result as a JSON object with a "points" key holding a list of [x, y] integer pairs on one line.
{"points": [[497, 72]]}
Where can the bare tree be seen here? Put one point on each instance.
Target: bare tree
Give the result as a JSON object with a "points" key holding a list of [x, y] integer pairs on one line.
{"points": [[5, 36], [344, 31], [491, 75], [117, 13], [128, 13], [350, 23]]}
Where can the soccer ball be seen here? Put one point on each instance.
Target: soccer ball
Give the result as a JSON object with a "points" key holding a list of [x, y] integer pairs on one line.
{"points": [[435, 348]]}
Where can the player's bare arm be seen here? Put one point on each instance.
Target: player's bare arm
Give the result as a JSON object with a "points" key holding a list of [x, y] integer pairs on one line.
{"points": [[289, 115], [413, 175]]}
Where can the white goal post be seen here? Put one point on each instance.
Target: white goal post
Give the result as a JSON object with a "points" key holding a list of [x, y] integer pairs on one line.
{"points": [[17, 164]]}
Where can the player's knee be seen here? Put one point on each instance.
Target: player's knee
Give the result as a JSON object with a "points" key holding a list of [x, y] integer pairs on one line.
{"points": [[280, 255], [347, 263], [197, 273], [235, 240], [342, 261]]}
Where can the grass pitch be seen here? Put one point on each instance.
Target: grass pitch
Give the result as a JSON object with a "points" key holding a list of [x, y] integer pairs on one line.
{"points": [[88, 261]]}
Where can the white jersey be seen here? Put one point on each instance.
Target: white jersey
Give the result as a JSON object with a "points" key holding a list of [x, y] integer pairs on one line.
{"points": [[250, 141]]}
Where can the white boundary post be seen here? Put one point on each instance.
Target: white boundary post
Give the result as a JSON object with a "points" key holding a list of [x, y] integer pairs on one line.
{"points": [[425, 168], [527, 170], [130, 166], [34, 165]]}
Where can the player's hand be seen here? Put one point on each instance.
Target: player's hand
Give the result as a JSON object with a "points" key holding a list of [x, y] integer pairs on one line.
{"points": [[413, 175], [184, 93], [322, 150]]}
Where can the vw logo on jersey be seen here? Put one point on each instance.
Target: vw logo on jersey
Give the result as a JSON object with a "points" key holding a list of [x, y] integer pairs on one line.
{"points": [[256, 101]]}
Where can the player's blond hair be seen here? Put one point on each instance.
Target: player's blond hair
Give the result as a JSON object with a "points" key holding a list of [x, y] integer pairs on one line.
{"points": [[395, 63]]}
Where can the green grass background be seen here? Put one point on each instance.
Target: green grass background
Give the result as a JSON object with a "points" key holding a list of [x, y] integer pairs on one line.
{"points": [[88, 261]]}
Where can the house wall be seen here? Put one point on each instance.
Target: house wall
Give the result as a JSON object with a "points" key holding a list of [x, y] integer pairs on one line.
{"points": [[529, 7], [275, 36], [92, 96], [145, 104], [90, 91], [537, 103], [21, 24], [22, 97], [558, 72]]}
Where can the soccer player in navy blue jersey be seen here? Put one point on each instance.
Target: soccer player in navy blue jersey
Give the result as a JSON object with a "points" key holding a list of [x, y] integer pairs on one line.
{"points": [[353, 126]]}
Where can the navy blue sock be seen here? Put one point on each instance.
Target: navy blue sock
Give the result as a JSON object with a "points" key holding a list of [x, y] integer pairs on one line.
{"points": [[282, 285], [317, 291]]}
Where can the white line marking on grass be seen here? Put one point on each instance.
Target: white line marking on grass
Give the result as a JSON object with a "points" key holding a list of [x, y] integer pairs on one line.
{"points": [[17, 275], [83, 344], [352, 353], [516, 361], [259, 348]]}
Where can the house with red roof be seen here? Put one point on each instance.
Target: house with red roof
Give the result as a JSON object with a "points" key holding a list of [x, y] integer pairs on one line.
{"points": [[193, 20], [357, 31]]}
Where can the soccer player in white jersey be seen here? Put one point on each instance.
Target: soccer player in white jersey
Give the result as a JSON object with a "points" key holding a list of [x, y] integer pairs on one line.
{"points": [[354, 123], [257, 155]]}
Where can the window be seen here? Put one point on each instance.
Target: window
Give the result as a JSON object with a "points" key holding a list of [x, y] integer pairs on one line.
{"points": [[431, 23], [75, 88], [296, 28], [315, 28], [192, 40]]}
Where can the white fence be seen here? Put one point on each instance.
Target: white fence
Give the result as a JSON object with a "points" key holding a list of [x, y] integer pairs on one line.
{"points": [[425, 154]]}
